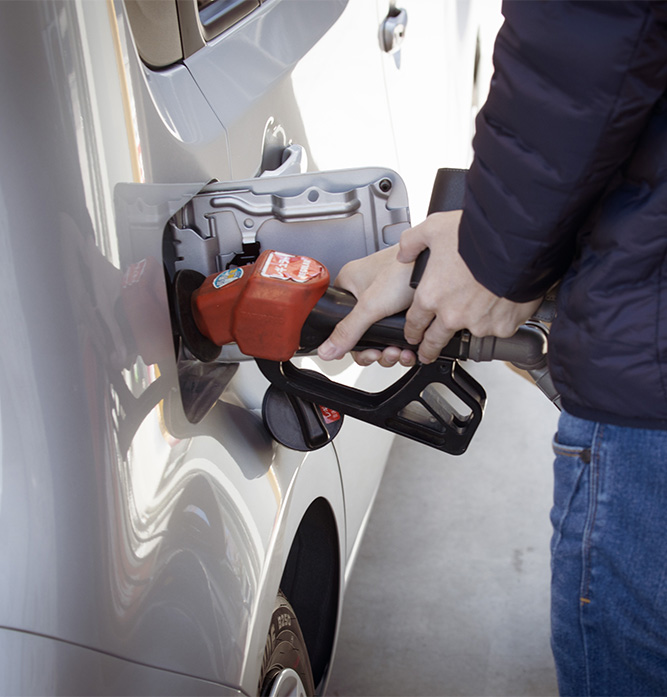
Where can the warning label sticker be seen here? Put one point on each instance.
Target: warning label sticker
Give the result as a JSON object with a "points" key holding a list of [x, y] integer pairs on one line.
{"points": [[287, 267], [329, 415], [134, 273]]}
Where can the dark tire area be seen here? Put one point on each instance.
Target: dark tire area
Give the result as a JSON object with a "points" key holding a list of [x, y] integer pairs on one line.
{"points": [[285, 649]]}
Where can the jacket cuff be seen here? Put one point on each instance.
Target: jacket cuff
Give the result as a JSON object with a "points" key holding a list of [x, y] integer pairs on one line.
{"points": [[484, 255]]}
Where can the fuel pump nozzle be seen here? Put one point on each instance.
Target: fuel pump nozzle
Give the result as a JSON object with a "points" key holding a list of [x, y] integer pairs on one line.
{"points": [[283, 304]]}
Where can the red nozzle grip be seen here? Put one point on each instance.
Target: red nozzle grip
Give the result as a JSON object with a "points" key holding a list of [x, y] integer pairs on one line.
{"points": [[263, 306]]}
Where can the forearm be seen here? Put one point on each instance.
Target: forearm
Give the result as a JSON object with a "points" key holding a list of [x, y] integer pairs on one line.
{"points": [[554, 130]]}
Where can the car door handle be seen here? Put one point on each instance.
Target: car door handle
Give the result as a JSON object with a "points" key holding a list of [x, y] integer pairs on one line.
{"points": [[392, 29]]}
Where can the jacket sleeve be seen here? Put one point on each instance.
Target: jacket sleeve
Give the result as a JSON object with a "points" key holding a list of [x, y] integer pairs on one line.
{"points": [[574, 84]]}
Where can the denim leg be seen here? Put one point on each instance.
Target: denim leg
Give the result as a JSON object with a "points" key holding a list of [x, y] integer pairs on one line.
{"points": [[609, 559]]}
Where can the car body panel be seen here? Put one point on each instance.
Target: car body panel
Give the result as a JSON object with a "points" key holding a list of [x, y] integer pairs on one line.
{"points": [[249, 88], [36, 665]]}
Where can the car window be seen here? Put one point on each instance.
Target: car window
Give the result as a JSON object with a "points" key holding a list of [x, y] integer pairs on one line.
{"points": [[217, 15], [168, 31], [156, 31]]}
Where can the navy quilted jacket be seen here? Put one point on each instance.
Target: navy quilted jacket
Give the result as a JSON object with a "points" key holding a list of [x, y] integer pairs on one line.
{"points": [[570, 181]]}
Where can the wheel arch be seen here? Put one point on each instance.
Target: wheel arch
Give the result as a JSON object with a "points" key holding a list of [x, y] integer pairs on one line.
{"points": [[311, 581]]}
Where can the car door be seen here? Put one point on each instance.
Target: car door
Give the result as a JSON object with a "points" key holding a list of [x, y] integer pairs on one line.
{"points": [[437, 67]]}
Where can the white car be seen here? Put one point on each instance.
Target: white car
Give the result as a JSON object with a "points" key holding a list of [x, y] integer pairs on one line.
{"points": [[154, 538]]}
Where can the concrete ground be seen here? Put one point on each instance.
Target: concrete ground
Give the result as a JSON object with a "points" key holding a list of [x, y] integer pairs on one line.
{"points": [[450, 591]]}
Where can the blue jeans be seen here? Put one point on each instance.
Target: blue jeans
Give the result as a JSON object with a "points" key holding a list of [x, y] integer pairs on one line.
{"points": [[609, 559]]}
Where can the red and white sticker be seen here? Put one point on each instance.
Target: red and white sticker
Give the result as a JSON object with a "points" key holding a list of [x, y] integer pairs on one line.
{"points": [[134, 273], [287, 267], [329, 415]]}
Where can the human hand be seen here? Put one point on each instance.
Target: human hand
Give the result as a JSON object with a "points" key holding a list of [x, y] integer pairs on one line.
{"points": [[382, 287], [448, 297]]}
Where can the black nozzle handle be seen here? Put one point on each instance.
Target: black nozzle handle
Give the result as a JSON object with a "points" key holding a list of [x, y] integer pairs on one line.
{"points": [[336, 304], [419, 267], [527, 349], [415, 406]]}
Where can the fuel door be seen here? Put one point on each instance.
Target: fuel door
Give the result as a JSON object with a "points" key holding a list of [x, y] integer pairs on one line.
{"points": [[333, 217]]}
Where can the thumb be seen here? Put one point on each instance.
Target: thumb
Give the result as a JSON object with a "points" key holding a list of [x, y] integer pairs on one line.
{"points": [[436, 227], [412, 242], [345, 336]]}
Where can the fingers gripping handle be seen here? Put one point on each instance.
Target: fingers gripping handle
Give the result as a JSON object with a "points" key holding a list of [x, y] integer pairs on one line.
{"points": [[526, 349], [448, 194], [439, 404]]}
